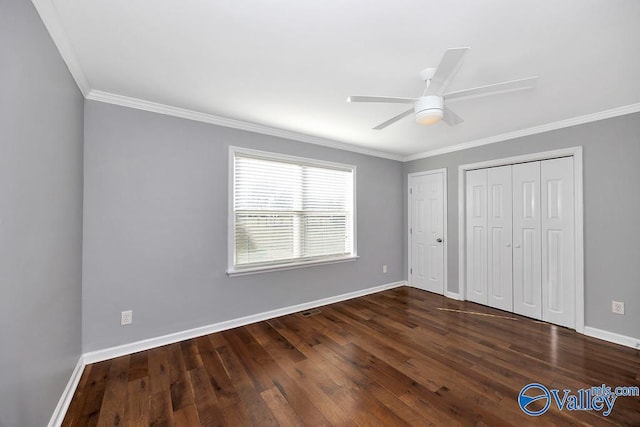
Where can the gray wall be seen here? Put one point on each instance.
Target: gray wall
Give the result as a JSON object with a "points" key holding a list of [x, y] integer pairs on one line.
{"points": [[611, 150], [155, 227], [41, 116]]}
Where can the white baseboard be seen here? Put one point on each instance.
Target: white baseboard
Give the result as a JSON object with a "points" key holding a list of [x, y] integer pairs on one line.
{"points": [[109, 353], [453, 295], [448, 294], [612, 337], [134, 347], [67, 395]]}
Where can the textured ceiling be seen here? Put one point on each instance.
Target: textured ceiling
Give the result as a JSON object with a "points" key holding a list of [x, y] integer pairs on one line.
{"points": [[290, 64]]}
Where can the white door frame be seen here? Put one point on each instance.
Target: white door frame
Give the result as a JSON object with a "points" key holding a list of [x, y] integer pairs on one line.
{"points": [[576, 153], [443, 171]]}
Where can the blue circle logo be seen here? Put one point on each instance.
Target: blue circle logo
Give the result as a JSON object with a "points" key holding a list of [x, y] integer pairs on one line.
{"points": [[531, 393]]}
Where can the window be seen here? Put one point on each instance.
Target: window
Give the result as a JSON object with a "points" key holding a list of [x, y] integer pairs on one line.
{"points": [[288, 211]]}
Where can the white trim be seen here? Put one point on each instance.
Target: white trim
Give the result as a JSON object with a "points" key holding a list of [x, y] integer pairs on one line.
{"points": [[445, 184], [294, 263], [122, 350], [453, 295], [461, 235], [578, 216], [47, 11], [271, 155], [576, 153], [289, 266], [524, 158], [65, 400], [354, 225], [607, 114], [109, 353], [155, 107], [49, 16], [231, 221], [408, 231], [141, 104], [612, 337]]}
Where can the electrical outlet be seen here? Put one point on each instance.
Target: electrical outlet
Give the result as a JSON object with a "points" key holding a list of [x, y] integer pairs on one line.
{"points": [[126, 317], [384, 268], [617, 307]]}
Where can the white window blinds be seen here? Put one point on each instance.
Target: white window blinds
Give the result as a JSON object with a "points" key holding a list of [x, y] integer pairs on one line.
{"points": [[288, 211]]}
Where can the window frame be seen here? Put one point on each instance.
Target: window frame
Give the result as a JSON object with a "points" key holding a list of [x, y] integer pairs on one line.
{"points": [[232, 269]]}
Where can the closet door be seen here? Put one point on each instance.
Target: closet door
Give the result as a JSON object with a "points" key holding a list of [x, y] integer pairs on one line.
{"points": [[476, 213], [527, 250], [558, 277], [499, 234]]}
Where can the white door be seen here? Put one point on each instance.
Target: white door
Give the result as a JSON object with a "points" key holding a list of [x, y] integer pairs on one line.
{"points": [[527, 269], [558, 278], [427, 231], [499, 229], [476, 202]]}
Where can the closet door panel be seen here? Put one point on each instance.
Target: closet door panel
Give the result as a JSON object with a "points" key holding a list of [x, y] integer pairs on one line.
{"points": [[499, 235], [558, 277], [476, 218], [527, 248]]}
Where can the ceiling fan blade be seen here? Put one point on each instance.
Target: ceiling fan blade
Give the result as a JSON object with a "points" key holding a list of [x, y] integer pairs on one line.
{"points": [[451, 118], [449, 65], [395, 100], [394, 119], [510, 86]]}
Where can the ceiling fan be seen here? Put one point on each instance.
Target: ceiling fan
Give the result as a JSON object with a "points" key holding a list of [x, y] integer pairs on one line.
{"points": [[430, 108]]}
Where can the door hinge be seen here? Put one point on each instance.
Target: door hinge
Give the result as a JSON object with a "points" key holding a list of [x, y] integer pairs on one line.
{"points": [[410, 230], [411, 271], [411, 191]]}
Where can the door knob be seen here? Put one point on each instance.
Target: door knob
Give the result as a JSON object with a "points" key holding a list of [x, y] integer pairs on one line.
{"points": [[508, 245], [517, 246], [439, 240]]}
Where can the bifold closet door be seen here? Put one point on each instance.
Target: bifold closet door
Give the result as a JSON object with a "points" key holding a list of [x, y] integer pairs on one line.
{"points": [[558, 252], [520, 239], [476, 216], [527, 248], [499, 236]]}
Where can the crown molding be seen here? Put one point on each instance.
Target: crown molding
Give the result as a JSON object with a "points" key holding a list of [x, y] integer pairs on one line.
{"points": [[607, 114], [140, 104], [155, 107], [49, 16]]}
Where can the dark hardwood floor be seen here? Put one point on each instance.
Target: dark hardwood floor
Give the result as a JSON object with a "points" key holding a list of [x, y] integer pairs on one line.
{"points": [[399, 357]]}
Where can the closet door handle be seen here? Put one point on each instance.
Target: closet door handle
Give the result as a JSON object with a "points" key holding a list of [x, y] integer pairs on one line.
{"points": [[517, 246], [508, 245], [439, 240]]}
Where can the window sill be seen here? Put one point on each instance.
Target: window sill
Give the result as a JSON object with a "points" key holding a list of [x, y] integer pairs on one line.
{"points": [[288, 266]]}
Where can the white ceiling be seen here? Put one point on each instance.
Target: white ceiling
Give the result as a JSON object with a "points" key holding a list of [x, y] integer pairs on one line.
{"points": [[290, 64]]}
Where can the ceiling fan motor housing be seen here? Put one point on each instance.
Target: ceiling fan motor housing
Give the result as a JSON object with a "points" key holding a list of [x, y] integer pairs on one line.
{"points": [[429, 109]]}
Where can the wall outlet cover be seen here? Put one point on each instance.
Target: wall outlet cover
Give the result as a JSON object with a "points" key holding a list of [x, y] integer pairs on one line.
{"points": [[126, 317], [617, 307]]}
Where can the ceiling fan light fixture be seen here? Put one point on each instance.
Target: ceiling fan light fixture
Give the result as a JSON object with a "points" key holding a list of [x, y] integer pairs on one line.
{"points": [[429, 110], [429, 117]]}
